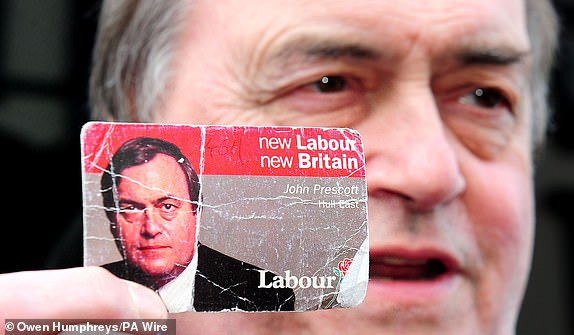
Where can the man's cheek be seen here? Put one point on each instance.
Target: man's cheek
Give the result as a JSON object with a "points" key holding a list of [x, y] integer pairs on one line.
{"points": [[183, 251], [503, 218]]}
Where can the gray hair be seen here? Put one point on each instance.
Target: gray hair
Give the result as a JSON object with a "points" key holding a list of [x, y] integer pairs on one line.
{"points": [[543, 31], [136, 43], [132, 56]]}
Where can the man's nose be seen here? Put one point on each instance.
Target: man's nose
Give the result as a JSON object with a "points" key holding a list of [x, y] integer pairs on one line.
{"points": [[410, 152], [151, 225]]}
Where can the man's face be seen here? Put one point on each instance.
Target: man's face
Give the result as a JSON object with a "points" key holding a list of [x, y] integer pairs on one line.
{"points": [[438, 91], [156, 222]]}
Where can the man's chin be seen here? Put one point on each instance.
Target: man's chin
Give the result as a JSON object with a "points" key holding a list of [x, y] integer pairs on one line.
{"points": [[159, 271]]}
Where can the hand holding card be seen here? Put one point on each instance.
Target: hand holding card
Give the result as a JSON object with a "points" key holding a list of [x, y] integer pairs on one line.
{"points": [[229, 218]]}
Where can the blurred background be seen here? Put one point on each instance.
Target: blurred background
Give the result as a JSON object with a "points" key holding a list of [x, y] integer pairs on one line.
{"points": [[45, 50]]}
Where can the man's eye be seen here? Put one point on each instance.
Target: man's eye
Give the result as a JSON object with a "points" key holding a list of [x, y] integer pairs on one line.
{"points": [[331, 84], [168, 207], [486, 98]]}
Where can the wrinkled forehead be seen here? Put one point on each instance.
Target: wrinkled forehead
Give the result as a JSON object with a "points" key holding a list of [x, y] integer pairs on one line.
{"points": [[393, 27]]}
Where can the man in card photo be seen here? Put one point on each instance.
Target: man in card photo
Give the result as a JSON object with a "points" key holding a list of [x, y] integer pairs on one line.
{"points": [[151, 196]]}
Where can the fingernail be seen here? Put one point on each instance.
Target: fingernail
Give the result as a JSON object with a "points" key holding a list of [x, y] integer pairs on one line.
{"points": [[148, 305]]}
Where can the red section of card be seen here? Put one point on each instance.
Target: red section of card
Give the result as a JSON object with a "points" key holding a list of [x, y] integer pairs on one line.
{"points": [[238, 150]]}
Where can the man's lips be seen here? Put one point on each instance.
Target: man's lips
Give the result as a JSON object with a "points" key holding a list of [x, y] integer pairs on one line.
{"points": [[152, 247], [405, 275], [408, 265]]}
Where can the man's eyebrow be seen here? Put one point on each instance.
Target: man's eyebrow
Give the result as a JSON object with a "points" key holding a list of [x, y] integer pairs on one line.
{"points": [[325, 49], [338, 50], [491, 56], [160, 200], [124, 202]]}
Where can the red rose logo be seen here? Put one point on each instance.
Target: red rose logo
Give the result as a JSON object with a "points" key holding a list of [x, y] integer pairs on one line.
{"points": [[344, 265], [341, 270]]}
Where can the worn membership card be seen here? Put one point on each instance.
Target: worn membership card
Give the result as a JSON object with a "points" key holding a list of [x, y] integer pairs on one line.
{"points": [[228, 218]]}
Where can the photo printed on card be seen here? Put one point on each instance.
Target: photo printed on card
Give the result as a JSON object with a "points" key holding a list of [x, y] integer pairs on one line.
{"points": [[228, 218]]}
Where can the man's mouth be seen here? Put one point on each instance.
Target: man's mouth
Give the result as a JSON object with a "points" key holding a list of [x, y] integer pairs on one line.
{"points": [[397, 268], [424, 277], [152, 247], [420, 266]]}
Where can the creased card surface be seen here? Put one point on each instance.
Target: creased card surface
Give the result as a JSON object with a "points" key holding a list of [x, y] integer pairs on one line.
{"points": [[229, 218]]}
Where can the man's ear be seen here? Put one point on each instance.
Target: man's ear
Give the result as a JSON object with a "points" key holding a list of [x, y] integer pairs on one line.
{"points": [[117, 239]]}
